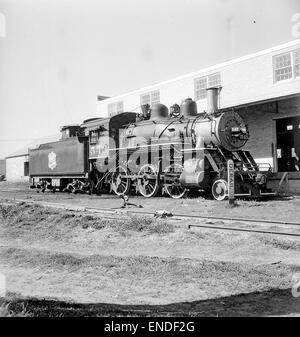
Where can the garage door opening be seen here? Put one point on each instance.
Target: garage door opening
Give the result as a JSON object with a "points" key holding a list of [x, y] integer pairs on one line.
{"points": [[288, 144]]}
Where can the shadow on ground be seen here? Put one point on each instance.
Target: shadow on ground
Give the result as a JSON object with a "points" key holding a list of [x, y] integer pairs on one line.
{"points": [[273, 302]]}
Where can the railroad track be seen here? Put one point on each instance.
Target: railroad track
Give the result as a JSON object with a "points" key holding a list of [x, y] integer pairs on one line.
{"points": [[225, 227], [221, 223]]}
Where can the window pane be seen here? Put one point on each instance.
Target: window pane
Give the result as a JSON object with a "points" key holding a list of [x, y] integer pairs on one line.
{"points": [[119, 107], [150, 98], [214, 80], [115, 108], [297, 63], [297, 70], [200, 85], [155, 97], [145, 99], [282, 67]]}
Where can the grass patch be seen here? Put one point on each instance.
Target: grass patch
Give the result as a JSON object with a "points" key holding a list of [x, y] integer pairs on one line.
{"points": [[25, 217], [147, 224], [19, 311], [152, 268], [136, 279], [284, 244]]}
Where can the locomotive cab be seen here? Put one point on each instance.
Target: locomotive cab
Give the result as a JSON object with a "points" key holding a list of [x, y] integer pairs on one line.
{"points": [[104, 134]]}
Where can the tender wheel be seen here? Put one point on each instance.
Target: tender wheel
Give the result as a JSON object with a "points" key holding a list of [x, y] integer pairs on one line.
{"points": [[120, 184], [148, 185], [220, 189], [172, 185]]}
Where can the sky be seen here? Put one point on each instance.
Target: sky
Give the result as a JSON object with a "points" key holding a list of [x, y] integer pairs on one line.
{"points": [[56, 56]]}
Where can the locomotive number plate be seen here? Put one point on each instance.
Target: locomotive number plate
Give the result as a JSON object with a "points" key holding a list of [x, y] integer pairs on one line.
{"points": [[230, 168]]}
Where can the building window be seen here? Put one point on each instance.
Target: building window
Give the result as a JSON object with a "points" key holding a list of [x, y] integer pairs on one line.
{"points": [[200, 88], [145, 99], [150, 98], [202, 83], [286, 66], [283, 67], [115, 108], [214, 80], [297, 63]]}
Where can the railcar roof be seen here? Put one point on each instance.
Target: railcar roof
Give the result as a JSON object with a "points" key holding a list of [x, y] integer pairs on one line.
{"points": [[94, 123]]}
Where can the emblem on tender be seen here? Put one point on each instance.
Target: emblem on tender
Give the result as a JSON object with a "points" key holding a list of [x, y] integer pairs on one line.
{"points": [[52, 160]]}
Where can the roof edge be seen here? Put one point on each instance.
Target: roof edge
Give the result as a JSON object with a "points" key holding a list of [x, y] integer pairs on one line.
{"points": [[204, 70], [18, 155]]}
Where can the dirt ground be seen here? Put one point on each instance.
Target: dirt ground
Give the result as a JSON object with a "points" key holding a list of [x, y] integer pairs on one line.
{"points": [[59, 262]]}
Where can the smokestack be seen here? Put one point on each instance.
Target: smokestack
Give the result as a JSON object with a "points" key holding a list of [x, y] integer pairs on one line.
{"points": [[212, 100]]}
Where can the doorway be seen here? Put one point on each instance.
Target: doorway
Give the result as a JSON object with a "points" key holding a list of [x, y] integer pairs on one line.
{"points": [[288, 144]]}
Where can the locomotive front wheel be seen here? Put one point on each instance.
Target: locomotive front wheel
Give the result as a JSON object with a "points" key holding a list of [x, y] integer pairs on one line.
{"points": [[120, 184], [148, 185], [172, 185], [220, 189]]}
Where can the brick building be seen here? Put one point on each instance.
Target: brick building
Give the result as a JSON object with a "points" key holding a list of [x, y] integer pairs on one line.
{"points": [[263, 87]]}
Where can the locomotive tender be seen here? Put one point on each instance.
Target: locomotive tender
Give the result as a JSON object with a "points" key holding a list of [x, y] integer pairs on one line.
{"points": [[156, 152]]}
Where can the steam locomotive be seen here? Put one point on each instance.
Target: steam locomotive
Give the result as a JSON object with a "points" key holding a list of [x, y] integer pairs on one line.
{"points": [[158, 152]]}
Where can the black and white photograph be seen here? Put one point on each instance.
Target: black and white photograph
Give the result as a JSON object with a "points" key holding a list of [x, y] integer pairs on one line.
{"points": [[149, 161]]}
